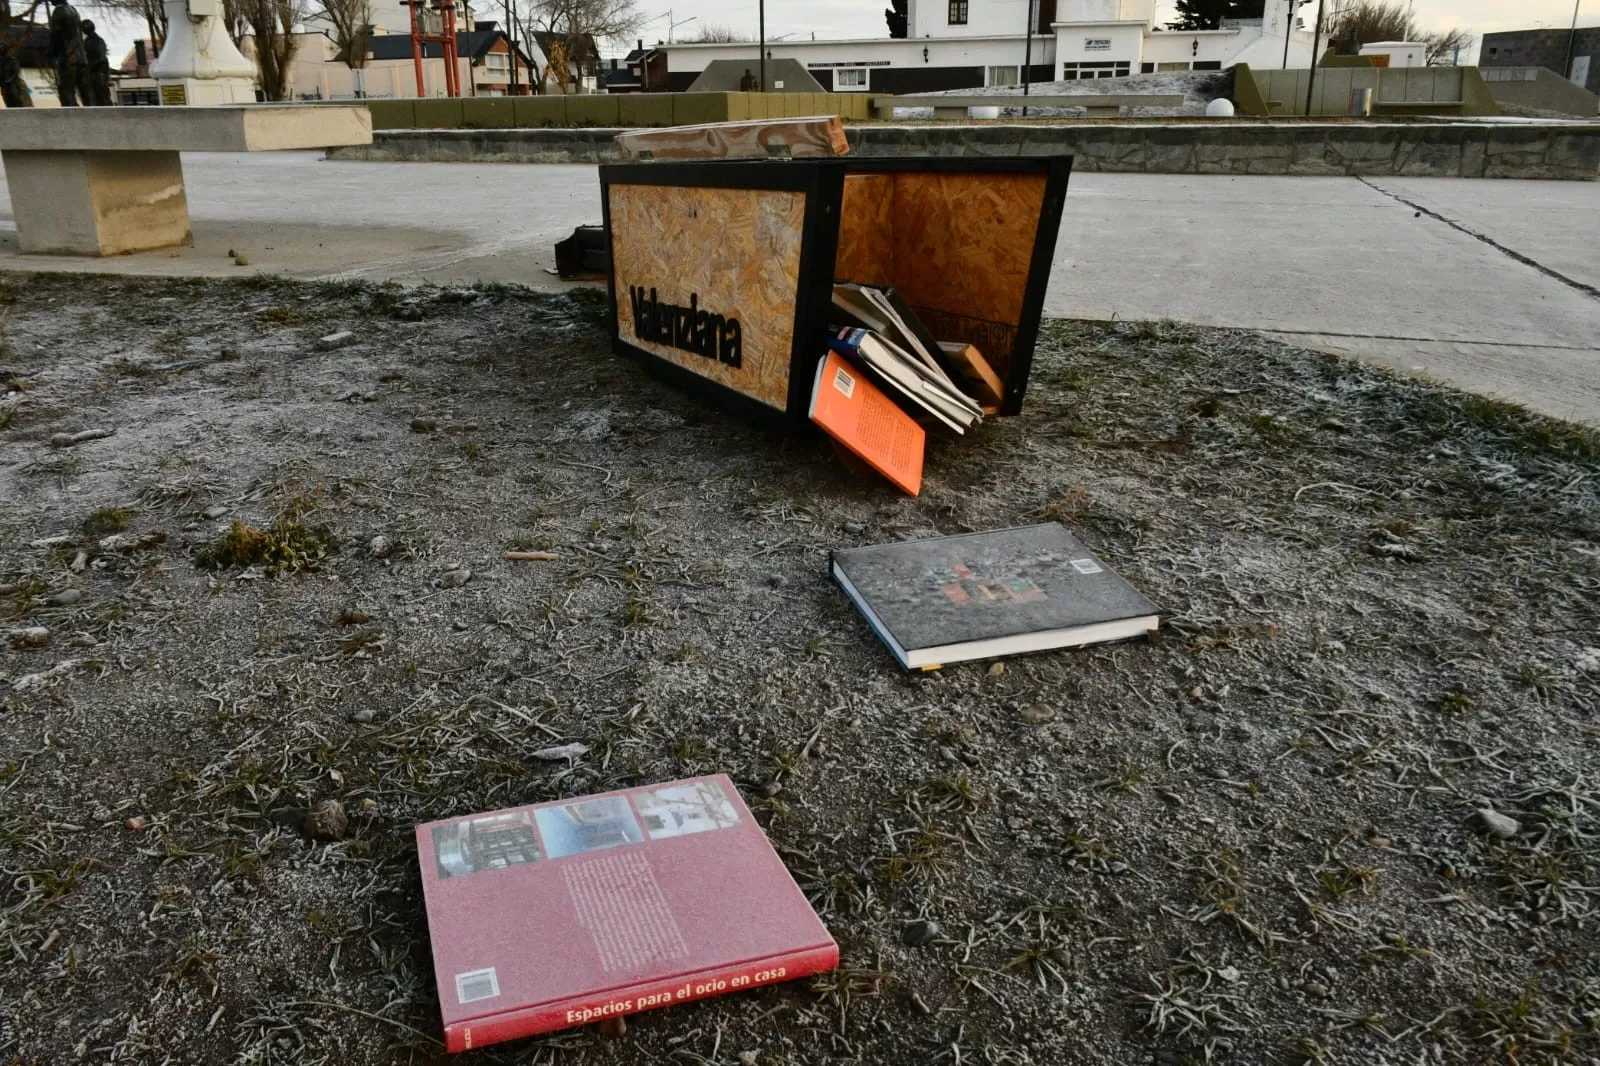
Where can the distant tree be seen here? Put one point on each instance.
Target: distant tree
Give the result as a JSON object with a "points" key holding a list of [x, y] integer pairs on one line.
{"points": [[152, 12], [1352, 23], [1208, 14], [351, 24], [1447, 46], [271, 26], [575, 27], [895, 16], [716, 35]]}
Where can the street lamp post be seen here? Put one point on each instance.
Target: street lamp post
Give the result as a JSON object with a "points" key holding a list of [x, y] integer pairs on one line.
{"points": [[1572, 37], [1316, 45]]}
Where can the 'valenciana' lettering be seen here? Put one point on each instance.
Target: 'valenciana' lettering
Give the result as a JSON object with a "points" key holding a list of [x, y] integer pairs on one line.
{"points": [[691, 328]]}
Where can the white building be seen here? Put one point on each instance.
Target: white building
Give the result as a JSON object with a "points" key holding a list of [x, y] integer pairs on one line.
{"points": [[1400, 53], [963, 44]]}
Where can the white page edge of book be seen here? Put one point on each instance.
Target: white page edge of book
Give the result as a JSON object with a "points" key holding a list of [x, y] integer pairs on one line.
{"points": [[1023, 643], [871, 616]]}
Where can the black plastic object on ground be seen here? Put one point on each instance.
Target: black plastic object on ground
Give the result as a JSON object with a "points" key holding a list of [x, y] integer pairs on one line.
{"points": [[584, 253]]}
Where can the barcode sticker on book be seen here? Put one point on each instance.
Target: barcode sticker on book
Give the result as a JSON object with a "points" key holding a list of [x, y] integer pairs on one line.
{"points": [[844, 382], [1086, 566], [476, 985]]}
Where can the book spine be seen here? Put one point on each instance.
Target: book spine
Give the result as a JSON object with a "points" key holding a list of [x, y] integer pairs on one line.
{"points": [[564, 1014]]}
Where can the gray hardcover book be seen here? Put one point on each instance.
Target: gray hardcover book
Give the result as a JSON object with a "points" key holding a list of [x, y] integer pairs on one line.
{"points": [[983, 595]]}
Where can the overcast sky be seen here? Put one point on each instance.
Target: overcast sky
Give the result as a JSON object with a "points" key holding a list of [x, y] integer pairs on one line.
{"points": [[864, 18]]}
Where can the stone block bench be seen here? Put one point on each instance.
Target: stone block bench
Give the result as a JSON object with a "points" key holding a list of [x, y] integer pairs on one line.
{"points": [[1097, 105], [108, 180]]}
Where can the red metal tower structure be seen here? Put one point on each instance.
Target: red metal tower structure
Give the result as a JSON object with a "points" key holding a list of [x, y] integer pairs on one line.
{"points": [[435, 23]]}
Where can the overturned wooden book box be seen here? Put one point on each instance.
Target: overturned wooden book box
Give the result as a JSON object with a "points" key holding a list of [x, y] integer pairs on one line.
{"points": [[722, 272]]}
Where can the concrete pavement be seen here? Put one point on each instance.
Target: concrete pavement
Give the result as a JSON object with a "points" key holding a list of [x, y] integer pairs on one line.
{"points": [[1490, 285]]}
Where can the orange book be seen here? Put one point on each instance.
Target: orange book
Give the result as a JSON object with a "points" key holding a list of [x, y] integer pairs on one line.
{"points": [[856, 413], [983, 384]]}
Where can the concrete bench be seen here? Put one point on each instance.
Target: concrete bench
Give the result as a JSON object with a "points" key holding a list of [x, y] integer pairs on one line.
{"points": [[108, 180], [955, 107]]}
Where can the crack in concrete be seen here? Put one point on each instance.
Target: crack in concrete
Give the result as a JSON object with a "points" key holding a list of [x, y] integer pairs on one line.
{"points": [[1420, 340], [1588, 290]]}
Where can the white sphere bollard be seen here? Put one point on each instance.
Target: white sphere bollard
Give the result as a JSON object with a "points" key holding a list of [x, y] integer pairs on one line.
{"points": [[1221, 107]]}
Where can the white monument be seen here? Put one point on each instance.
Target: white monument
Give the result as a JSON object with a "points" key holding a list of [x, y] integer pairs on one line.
{"points": [[199, 64]]}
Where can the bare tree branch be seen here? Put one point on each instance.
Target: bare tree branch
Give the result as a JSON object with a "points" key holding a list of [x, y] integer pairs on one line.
{"points": [[151, 12], [270, 25], [350, 23]]}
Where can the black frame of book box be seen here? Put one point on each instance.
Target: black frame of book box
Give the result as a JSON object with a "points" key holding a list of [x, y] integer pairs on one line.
{"points": [[822, 184]]}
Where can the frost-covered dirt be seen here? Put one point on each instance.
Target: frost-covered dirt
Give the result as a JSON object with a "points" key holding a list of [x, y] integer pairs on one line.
{"points": [[1253, 841]]}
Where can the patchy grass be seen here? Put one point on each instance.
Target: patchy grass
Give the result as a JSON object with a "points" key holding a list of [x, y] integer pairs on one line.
{"points": [[1249, 842]]}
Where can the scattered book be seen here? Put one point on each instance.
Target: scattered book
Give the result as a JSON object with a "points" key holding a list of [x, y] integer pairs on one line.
{"points": [[576, 911], [975, 374], [984, 595], [856, 413], [884, 312], [926, 395]]}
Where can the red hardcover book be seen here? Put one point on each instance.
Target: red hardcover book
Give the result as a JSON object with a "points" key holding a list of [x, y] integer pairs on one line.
{"points": [[565, 913]]}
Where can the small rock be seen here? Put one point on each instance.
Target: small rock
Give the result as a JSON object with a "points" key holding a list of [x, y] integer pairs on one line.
{"points": [[1229, 974], [32, 637], [1315, 989], [65, 598], [1197, 693], [771, 788], [335, 340], [749, 1058], [561, 751], [856, 528], [1038, 714], [241, 260], [352, 617], [215, 511], [1588, 661], [61, 440], [1495, 824], [380, 547], [459, 626], [777, 581], [136, 823], [369, 804], [997, 669], [1119, 867], [453, 579], [80, 562], [424, 425], [325, 821], [613, 1028], [232, 252], [920, 933], [363, 716], [132, 542]]}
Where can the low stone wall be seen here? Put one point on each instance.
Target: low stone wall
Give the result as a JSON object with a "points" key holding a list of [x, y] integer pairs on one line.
{"points": [[1564, 151]]}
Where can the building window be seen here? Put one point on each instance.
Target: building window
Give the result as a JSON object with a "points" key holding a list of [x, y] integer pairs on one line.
{"points": [[1090, 71], [958, 12], [1208, 64], [1003, 76], [850, 78], [497, 63], [1147, 68]]}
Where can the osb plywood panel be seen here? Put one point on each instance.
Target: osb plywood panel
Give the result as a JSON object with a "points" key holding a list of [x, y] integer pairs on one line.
{"points": [[802, 138], [963, 244], [733, 253], [866, 230]]}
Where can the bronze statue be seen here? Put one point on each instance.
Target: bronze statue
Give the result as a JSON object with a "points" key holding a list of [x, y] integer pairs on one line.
{"points": [[66, 52], [13, 89], [99, 65]]}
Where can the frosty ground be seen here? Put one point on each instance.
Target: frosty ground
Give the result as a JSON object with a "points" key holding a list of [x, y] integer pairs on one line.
{"points": [[1252, 841]]}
